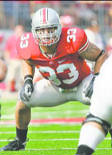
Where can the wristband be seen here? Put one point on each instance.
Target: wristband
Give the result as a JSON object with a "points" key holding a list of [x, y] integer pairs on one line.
{"points": [[28, 77], [96, 73], [101, 53]]}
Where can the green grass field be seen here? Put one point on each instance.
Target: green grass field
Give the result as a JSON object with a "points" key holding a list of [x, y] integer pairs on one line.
{"points": [[49, 138]]}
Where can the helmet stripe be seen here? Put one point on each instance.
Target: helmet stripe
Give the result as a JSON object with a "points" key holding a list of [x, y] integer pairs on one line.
{"points": [[44, 15]]}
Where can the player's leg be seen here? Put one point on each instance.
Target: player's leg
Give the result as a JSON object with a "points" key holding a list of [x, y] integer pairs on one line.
{"points": [[22, 116], [44, 95], [47, 95], [79, 94], [92, 133]]}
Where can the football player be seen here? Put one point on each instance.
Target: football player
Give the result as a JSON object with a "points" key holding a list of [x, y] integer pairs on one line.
{"points": [[59, 54], [99, 119]]}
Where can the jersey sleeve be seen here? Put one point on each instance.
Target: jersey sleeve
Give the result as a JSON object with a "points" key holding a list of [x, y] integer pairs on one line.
{"points": [[26, 47], [84, 43], [22, 47], [79, 40]]}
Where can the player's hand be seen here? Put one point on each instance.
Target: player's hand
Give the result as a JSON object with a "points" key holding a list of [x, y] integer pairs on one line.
{"points": [[89, 89], [27, 89]]}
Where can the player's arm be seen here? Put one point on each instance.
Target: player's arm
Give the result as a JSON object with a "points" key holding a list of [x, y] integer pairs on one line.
{"points": [[28, 72], [93, 53], [28, 69]]}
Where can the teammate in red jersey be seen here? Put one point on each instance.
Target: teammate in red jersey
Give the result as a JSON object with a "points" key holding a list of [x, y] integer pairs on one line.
{"points": [[59, 54]]}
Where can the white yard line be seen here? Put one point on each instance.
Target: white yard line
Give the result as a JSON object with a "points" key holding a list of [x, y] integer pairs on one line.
{"points": [[51, 149], [38, 132], [36, 140], [51, 139]]}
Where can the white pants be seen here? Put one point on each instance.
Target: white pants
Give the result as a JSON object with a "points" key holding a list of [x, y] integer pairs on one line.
{"points": [[101, 100], [47, 95]]}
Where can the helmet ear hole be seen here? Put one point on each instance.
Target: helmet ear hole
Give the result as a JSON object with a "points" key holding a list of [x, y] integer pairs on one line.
{"points": [[46, 18]]}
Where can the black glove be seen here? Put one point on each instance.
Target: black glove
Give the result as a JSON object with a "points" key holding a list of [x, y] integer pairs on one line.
{"points": [[89, 89], [27, 89]]}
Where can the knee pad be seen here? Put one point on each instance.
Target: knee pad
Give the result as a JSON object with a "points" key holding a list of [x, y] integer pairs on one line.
{"points": [[105, 125]]}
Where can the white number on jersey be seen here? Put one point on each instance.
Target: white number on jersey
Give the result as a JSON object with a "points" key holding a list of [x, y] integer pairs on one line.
{"points": [[73, 74], [71, 35], [24, 41]]}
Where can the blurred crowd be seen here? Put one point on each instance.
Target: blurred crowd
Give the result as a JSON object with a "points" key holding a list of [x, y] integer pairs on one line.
{"points": [[20, 12], [15, 19]]}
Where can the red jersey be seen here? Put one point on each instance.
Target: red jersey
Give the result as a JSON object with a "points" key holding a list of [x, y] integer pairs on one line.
{"points": [[66, 68]]}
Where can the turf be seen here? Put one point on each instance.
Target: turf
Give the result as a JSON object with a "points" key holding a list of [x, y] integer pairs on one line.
{"points": [[49, 139]]}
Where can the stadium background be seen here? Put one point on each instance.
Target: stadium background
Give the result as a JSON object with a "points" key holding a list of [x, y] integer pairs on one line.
{"points": [[53, 130], [20, 12]]}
